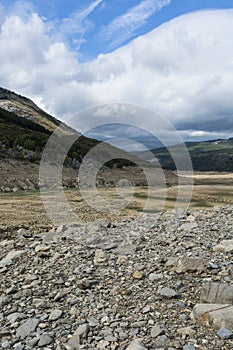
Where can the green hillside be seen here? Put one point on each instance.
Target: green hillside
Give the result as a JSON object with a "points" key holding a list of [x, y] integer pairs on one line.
{"points": [[25, 130], [214, 155]]}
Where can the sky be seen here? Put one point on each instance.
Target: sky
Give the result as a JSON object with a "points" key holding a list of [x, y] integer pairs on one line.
{"points": [[171, 56]]}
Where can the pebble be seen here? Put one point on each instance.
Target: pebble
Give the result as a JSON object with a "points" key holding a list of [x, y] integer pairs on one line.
{"points": [[224, 333], [168, 293], [92, 286], [55, 315]]}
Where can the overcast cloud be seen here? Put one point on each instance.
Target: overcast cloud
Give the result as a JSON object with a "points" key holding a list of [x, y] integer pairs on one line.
{"points": [[183, 70]]}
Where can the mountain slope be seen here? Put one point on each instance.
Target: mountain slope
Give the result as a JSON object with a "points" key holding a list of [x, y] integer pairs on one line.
{"points": [[26, 108], [214, 155], [24, 132]]}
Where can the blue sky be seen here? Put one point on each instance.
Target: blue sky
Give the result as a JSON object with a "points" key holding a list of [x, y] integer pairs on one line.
{"points": [[100, 26], [172, 56]]}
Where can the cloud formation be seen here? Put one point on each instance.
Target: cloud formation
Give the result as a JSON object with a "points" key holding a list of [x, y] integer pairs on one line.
{"points": [[183, 70], [123, 27]]}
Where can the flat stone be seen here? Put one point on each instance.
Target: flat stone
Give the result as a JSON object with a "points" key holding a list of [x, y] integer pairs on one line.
{"points": [[189, 264], [161, 342], [50, 237], [12, 318], [4, 300], [9, 258], [168, 293], [225, 334], [27, 327], [41, 248], [44, 340], [156, 330], [216, 293], [55, 315], [225, 246], [189, 347], [83, 330], [214, 315], [136, 345], [188, 226]]}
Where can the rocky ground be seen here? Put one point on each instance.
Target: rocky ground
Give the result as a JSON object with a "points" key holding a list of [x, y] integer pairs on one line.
{"points": [[148, 282]]}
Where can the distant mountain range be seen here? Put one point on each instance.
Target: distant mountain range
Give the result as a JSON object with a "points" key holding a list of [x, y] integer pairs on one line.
{"points": [[25, 130], [213, 155]]}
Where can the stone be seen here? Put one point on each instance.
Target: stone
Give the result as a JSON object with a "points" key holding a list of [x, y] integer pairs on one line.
{"points": [[189, 347], [225, 334], [83, 330], [156, 330], [100, 256], [50, 237], [55, 315], [216, 293], [136, 345], [4, 300], [188, 226], [189, 331], [189, 264], [11, 256], [41, 248], [214, 315], [137, 275], [225, 246], [161, 342], [27, 327], [44, 340], [12, 318], [7, 345], [168, 293], [78, 336]]}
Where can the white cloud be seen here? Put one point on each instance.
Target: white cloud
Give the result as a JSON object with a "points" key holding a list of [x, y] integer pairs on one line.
{"points": [[123, 26], [183, 70], [73, 28]]}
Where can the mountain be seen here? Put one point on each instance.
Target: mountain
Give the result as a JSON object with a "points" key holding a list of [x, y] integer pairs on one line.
{"points": [[24, 132], [26, 108], [213, 155]]}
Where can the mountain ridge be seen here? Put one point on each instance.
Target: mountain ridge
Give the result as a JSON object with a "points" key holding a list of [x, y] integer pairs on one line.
{"points": [[210, 155]]}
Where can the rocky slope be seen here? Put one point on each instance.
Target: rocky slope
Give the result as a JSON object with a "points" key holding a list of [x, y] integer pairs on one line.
{"points": [[26, 108], [147, 282]]}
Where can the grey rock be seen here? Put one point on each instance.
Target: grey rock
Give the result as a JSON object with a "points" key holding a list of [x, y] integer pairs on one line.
{"points": [[156, 330], [216, 293], [188, 226], [83, 330], [4, 300], [136, 345], [161, 342], [168, 293], [189, 347], [6, 344], [190, 264], [225, 246], [12, 318], [44, 340], [55, 315], [27, 327], [224, 333], [11, 256]]}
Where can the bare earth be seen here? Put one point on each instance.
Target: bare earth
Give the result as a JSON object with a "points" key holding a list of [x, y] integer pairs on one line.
{"points": [[26, 209]]}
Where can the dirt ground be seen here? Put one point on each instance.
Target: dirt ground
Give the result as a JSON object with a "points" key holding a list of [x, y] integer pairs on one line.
{"points": [[26, 209]]}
